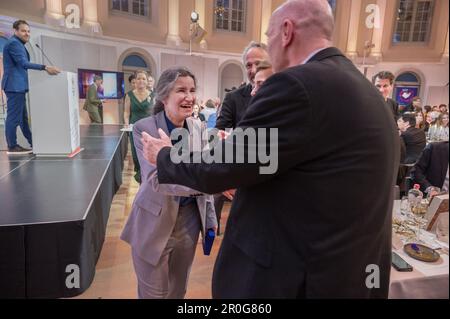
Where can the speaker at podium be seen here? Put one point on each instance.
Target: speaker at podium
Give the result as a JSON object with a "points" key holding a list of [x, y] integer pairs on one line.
{"points": [[54, 112]]}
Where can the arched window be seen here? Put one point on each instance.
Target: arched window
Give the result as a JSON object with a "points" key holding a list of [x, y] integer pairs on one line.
{"points": [[131, 64], [231, 77], [407, 86], [136, 61]]}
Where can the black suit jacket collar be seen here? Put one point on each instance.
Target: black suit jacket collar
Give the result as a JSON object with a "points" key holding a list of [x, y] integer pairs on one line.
{"points": [[246, 90], [325, 54]]}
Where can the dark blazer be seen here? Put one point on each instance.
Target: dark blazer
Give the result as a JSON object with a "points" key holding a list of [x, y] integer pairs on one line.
{"points": [[415, 142], [315, 227], [432, 166], [393, 105], [233, 107], [16, 62]]}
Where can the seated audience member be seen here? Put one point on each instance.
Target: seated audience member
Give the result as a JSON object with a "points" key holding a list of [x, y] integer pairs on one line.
{"points": [[420, 121], [432, 168], [384, 81], [263, 72], [414, 138], [432, 120], [414, 105], [443, 108], [427, 109], [439, 131], [443, 127]]}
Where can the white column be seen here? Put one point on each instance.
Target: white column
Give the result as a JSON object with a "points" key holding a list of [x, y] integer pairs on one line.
{"points": [[200, 8], [445, 55], [173, 37], [377, 38], [90, 16], [266, 12], [353, 27], [53, 13]]}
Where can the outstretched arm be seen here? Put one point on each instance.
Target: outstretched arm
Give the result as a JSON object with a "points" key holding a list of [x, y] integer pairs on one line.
{"points": [[149, 174], [282, 104]]}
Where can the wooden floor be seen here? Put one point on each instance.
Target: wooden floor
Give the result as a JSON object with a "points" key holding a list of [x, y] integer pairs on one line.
{"points": [[115, 277]]}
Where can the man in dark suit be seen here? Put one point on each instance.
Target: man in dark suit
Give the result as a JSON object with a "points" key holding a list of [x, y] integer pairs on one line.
{"points": [[297, 233], [236, 102], [415, 139], [384, 81], [432, 167], [16, 63]]}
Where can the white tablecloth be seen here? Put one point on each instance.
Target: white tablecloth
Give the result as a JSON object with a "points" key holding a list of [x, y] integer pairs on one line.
{"points": [[426, 281]]}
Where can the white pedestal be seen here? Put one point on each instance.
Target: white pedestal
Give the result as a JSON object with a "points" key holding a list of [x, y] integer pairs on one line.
{"points": [[54, 113]]}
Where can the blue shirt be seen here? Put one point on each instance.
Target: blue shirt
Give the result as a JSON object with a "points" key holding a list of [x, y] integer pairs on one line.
{"points": [[184, 201]]}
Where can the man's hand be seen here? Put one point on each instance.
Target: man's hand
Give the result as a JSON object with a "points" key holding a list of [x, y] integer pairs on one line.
{"points": [[51, 70], [229, 194], [152, 146]]}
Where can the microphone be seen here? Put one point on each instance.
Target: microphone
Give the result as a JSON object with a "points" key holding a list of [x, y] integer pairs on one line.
{"points": [[43, 53]]}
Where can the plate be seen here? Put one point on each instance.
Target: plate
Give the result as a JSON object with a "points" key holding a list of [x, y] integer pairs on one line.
{"points": [[421, 252]]}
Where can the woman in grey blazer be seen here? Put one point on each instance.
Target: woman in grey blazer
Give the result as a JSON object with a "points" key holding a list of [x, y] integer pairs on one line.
{"points": [[165, 221]]}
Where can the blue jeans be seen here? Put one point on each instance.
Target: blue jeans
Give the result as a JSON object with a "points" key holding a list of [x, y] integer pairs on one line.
{"points": [[16, 116]]}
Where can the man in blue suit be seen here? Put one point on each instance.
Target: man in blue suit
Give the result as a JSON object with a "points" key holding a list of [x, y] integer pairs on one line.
{"points": [[16, 62]]}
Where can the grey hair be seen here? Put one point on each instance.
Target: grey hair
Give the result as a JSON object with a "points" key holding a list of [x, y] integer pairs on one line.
{"points": [[166, 83], [253, 45]]}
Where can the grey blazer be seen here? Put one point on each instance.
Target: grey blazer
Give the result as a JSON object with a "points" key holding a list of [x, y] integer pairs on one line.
{"points": [[155, 208]]}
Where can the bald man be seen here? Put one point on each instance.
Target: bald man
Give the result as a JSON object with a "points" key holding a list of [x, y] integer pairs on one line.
{"points": [[320, 227]]}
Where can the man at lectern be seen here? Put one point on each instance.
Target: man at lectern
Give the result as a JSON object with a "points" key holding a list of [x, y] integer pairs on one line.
{"points": [[93, 105], [16, 62]]}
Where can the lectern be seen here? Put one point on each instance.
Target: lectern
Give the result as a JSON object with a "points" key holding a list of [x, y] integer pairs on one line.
{"points": [[54, 113]]}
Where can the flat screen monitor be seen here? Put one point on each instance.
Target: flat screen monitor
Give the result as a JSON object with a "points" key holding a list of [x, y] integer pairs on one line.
{"points": [[113, 86]]}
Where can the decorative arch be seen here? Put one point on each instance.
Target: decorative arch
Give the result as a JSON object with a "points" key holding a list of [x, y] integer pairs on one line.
{"points": [[223, 67], [141, 53], [409, 83]]}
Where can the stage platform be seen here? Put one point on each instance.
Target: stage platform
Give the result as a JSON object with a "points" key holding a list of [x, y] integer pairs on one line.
{"points": [[53, 215]]}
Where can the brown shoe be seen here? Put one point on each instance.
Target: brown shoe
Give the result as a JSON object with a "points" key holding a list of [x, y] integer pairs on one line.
{"points": [[19, 150]]}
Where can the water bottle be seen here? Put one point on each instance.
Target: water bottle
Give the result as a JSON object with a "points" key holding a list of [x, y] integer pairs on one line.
{"points": [[415, 196]]}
